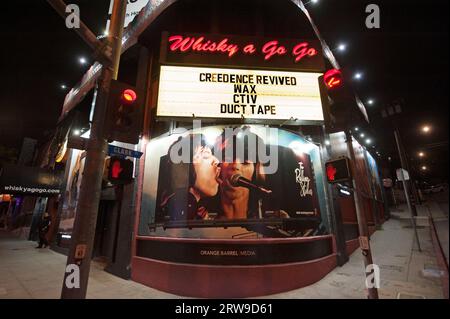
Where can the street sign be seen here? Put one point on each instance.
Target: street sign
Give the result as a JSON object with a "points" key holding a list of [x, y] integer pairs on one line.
{"points": [[123, 152], [402, 174], [387, 182]]}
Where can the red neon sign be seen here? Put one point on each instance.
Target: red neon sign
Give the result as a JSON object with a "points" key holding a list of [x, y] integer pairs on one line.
{"points": [[200, 45], [268, 50]]}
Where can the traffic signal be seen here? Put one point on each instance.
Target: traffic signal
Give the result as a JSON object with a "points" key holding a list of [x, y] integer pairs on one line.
{"points": [[124, 113], [342, 108], [338, 170], [333, 79], [120, 170]]}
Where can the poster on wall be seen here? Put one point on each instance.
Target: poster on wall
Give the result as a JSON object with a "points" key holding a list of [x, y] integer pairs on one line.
{"points": [[220, 182], [72, 191]]}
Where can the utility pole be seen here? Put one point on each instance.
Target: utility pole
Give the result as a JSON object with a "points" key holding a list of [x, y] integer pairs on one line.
{"points": [[360, 215], [86, 212], [405, 165], [405, 186], [390, 112]]}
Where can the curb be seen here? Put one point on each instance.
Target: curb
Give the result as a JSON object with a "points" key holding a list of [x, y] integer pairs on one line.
{"points": [[440, 256]]}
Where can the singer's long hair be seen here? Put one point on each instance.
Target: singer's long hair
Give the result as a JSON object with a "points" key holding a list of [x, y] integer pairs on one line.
{"points": [[177, 179]]}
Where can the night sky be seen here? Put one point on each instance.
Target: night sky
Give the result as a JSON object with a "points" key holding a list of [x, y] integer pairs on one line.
{"points": [[406, 59]]}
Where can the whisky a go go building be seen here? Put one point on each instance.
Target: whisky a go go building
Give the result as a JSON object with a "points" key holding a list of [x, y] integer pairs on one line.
{"points": [[229, 197]]}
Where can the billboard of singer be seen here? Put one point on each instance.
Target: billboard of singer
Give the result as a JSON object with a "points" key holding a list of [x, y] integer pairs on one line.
{"points": [[221, 176]]}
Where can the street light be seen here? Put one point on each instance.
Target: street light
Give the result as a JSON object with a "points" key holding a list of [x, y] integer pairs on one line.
{"points": [[342, 47], [426, 129], [368, 141], [424, 168], [312, 1], [82, 60], [356, 129], [370, 102], [421, 154], [361, 135], [63, 86], [358, 76], [76, 132]]}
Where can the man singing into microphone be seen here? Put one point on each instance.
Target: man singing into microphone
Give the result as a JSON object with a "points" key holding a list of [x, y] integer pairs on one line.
{"points": [[190, 184], [237, 202]]}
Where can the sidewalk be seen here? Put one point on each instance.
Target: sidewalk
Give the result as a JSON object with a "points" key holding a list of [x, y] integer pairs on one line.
{"points": [[405, 272], [438, 207], [26, 272]]}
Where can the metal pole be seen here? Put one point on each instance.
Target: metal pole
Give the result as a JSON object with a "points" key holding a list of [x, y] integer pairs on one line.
{"points": [[360, 215], [405, 164], [86, 213], [411, 175], [405, 188]]}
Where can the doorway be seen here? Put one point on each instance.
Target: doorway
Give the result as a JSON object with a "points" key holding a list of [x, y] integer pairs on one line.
{"points": [[104, 231]]}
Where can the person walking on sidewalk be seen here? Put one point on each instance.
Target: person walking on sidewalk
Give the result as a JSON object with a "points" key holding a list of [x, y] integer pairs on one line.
{"points": [[43, 230]]}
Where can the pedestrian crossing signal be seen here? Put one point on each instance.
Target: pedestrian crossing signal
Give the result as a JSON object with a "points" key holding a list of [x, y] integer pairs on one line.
{"points": [[338, 170], [120, 170]]}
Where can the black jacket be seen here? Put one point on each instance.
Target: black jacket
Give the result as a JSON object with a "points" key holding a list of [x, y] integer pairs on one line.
{"points": [[44, 225]]}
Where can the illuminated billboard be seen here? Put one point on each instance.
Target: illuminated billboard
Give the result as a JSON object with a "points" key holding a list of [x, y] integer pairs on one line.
{"points": [[238, 93], [218, 192]]}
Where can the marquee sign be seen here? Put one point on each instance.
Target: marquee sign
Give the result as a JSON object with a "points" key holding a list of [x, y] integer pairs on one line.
{"points": [[238, 93], [236, 51]]}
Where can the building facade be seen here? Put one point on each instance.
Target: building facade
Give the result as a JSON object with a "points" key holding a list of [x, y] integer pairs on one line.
{"points": [[230, 192]]}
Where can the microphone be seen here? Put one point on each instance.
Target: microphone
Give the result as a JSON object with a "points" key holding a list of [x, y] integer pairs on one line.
{"points": [[239, 180]]}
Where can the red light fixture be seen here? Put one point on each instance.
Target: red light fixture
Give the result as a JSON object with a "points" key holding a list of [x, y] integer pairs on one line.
{"points": [[333, 78], [116, 169], [129, 96], [331, 172], [338, 170]]}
